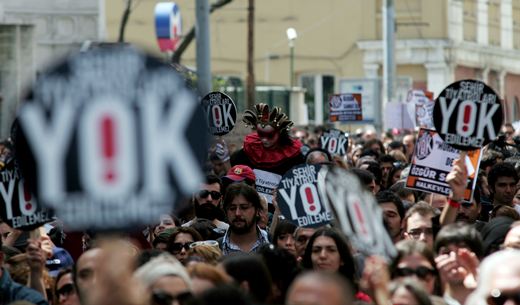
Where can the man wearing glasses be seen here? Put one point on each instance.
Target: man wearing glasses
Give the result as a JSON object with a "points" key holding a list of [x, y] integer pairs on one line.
{"points": [[206, 203], [418, 224], [242, 205]]}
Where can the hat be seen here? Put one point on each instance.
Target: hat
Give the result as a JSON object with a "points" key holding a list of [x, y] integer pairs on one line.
{"points": [[162, 265], [240, 173]]}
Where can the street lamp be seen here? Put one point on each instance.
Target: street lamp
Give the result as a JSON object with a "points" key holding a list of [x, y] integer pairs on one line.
{"points": [[292, 35]]}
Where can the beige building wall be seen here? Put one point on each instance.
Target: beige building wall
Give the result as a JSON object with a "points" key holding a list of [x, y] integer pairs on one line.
{"points": [[328, 31], [438, 41]]}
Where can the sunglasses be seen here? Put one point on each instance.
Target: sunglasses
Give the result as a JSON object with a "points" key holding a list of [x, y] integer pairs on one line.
{"points": [[206, 193], [177, 247], [66, 290], [497, 297], [163, 298], [421, 272]]}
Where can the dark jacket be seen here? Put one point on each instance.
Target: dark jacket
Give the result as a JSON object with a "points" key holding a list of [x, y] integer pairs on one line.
{"points": [[12, 291]]}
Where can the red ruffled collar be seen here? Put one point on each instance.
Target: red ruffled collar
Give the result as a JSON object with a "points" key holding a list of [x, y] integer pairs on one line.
{"points": [[264, 158]]}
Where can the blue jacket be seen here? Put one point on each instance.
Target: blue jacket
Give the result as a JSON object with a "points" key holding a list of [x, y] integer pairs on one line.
{"points": [[12, 291]]}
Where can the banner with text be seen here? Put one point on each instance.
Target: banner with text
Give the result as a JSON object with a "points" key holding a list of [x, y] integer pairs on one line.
{"points": [[433, 160], [298, 197]]}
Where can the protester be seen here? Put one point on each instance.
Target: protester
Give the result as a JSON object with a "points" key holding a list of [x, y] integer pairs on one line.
{"points": [[180, 240], [393, 213], [270, 147], [320, 288], [502, 180], [415, 260], [251, 274], [11, 291], [283, 236], [207, 203], [327, 250], [166, 280], [458, 247], [204, 277], [301, 239], [242, 205], [64, 289], [418, 224]]}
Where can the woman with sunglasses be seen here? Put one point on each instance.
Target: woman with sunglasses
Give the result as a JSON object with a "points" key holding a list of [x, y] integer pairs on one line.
{"points": [[180, 241], [64, 289], [415, 260]]}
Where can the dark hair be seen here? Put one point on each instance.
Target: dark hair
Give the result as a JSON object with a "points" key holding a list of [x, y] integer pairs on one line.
{"points": [[459, 233], [399, 188], [248, 192], [321, 150], [413, 288], [501, 170], [206, 228], [211, 179], [364, 176], [251, 269], [375, 169], [283, 268], [146, 255], [389, 196], [386, 159], [283, 227], [408, 247], [223, 294], [178, 230], [421, 208], [348, 269], [368, 145], [397, 145], [61, 274]]}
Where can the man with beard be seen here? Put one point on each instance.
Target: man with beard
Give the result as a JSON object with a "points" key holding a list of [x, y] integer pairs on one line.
{"points": [[206, 203], [242, 205], [469, 212]]}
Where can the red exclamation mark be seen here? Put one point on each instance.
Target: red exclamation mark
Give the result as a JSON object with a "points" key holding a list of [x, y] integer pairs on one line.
{"points": [[216, 115], [360, 217], [108, 144], [310, 198], [467, 113], [27, 197], [332, 145]]}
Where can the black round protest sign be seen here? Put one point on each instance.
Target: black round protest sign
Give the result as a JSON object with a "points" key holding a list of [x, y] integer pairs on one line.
{"points": [[221, 113], [468, 114], [298, 197], [111, 138], [18, 207], [335, 142]]}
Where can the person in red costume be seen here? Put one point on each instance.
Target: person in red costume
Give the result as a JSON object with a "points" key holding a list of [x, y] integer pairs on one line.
{"points": [[270, 148]]}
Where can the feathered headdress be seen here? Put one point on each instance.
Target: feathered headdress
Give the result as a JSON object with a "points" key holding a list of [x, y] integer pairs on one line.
{"points": [[261, 115]]}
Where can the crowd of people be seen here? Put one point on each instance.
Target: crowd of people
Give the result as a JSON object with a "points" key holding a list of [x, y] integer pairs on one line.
{"points": [[228, 245]]}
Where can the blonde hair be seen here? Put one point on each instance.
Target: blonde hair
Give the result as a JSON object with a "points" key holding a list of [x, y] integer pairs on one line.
{"points": [[208, 253], [209, 272]]}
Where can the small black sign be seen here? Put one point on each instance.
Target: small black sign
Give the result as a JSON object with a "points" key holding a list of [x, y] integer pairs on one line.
{"points": [[19, 208], [298, 197], [335, 142], [221, 113], [468, 114]]}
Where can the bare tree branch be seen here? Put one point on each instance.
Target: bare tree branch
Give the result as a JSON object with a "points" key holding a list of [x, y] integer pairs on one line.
{"points": [[124, 21]]}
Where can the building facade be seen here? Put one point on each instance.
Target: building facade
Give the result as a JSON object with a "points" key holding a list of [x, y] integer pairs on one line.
{"points": [[33, 35], [437, 42]]}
